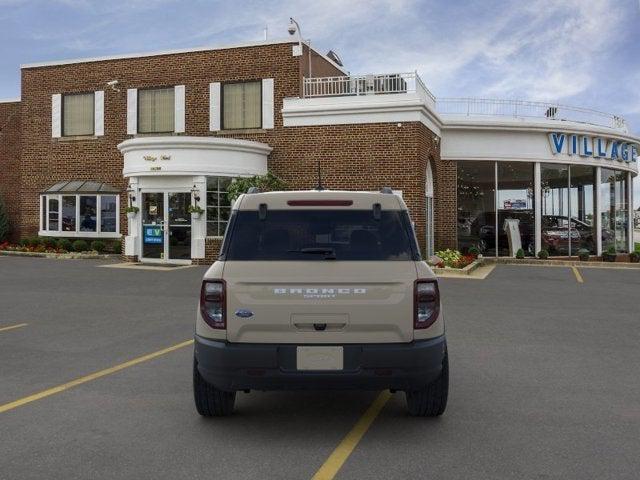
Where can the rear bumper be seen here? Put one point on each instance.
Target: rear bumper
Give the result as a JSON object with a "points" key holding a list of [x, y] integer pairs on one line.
{"points": [[255, 366]]}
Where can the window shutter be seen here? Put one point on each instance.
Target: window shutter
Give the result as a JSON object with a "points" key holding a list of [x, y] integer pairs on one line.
{"points": [[56, 115], [214, 106], [132, 111], [179, 109], [267, 103], [98, 126]]}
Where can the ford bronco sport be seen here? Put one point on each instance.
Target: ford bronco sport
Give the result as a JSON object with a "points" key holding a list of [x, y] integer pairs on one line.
{"points": [[320, 290]]}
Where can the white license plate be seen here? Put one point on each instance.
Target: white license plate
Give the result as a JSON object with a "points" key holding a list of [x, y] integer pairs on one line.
{"points": [[320, 358]]}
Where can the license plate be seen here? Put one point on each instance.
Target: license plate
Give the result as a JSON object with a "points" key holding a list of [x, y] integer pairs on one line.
{"points": [[320, 358]]}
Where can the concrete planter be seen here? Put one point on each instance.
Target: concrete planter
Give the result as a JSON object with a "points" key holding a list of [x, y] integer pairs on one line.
{"points": [[60, 256], [459, 271]]}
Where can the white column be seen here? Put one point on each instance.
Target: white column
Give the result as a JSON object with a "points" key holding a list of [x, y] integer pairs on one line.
{"points": [[537, 186], [132, 111], [56, 115], [131, 241], [598, 212], [199, 225], [630, 210], [98, 112]]}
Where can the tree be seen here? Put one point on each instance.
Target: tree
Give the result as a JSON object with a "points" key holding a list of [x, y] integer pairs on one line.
{"points": [[4, 222], [265, 183]]}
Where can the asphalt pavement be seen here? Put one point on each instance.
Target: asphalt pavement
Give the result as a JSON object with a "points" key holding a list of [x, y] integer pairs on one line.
{"points": [[544, 384]]}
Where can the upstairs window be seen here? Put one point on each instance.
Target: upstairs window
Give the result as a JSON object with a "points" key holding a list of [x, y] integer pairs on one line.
{"points": [[242, 105], [156, 110], [78, 114]]}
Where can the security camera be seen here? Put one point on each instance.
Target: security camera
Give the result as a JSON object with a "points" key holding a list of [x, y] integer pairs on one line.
{"points": [[291, 29], [113, 84]]}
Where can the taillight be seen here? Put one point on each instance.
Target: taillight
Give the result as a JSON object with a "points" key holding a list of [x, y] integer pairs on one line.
{"points": [[213, 303], [426, 303]]}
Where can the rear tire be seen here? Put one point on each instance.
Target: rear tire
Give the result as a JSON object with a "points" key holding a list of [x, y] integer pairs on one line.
{"points": [[432, 401], [211, 402]]}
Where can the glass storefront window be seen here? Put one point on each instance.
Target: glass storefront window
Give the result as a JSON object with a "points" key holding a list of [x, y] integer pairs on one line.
{"points": [[54, 214], [108, 213], [69, 213], [476, 206], [582, 205], [88, 213], [614, 210], [516, 219], [554, 197], [218, 205]]}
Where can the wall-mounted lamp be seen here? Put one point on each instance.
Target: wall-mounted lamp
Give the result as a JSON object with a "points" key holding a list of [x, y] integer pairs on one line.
{"points": [[196, 194], [132, 197]]}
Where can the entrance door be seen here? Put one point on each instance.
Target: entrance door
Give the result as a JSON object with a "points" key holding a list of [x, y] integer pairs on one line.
{"points": [[166, 227]]}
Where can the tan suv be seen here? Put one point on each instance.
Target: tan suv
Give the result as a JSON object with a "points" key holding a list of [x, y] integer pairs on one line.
{"points": [[320, 290]]}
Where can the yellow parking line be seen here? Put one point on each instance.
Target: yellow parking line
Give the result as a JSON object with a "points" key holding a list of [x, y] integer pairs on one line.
{"points": [[4, 329], [576, 272], [88, 378], [334, 463]]}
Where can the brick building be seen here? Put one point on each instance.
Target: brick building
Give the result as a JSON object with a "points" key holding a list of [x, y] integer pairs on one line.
{"points": [[163, 131]]}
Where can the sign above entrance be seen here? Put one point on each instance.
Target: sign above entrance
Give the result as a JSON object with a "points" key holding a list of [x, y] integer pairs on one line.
{"points": [[589, 146]]}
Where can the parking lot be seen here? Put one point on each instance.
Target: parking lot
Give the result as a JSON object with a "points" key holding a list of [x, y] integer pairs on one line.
{"points": [[545, 383]]}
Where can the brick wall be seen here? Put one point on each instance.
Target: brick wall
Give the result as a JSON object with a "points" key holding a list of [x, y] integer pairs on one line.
{"points": [[10, 162], [354, 157]]}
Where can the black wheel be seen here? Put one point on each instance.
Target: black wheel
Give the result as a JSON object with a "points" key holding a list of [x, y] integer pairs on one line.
{"points": [[432, 401], [211, 402]]}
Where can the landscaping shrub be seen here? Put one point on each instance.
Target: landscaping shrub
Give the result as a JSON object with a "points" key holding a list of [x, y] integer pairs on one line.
{"points": [[520, 254], [65, 244], [34, 242], [543, 254], [48, 242], [80, 246], [474, 251], [98, 246], [449, 257], [24, 242], [116, 246], [634, 257], [583, 254]]}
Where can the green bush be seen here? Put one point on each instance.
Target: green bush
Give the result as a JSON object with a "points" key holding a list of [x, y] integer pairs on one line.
{"points": [[634, 257], [449, 257], [543, 254], [474, 251], [611, 250], [34, 241], [80, 246], [265, 183], [98, 246], [24, 242], [520, 254], [65, 244], [583, 254], [116, 246], [48, 242]]}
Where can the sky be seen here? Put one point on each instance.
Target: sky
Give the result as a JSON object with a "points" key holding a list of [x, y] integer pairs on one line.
{"points": [[577, 52]]}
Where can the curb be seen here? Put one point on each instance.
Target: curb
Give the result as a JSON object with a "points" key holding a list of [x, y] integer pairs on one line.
{"points": [[562, 263], [460, 271], [59, 256]]}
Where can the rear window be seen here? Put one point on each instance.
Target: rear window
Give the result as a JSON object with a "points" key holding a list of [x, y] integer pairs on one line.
{"points": [[320, 235]]}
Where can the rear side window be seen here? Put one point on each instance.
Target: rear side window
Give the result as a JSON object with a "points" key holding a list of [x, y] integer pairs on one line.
{"points": [[320, 235]]}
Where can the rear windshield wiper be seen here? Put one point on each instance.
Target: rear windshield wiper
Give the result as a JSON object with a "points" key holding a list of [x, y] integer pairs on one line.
{"points": [[329, 253]]}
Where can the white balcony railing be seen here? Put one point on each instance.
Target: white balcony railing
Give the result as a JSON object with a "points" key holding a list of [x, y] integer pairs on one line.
{"points": [[527, 109], [366, 85]]}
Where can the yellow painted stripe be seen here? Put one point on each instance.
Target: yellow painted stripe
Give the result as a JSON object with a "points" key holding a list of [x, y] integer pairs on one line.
{"points": [[334, 463], [88, 378], [576, 272], [4, 329]]}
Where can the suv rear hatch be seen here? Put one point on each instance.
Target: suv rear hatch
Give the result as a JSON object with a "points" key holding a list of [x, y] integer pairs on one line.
{"points": [[309, 276]]}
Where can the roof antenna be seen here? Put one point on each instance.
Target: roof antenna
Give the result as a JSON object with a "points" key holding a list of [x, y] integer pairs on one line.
{"points": [[319, 187]]}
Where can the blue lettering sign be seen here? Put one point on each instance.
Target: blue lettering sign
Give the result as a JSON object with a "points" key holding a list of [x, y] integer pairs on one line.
{"points": [[614, 150], [586, 147], [624, 152], [573, 147], [601, 150], [153, 235], [634, 153], [557, 140]]}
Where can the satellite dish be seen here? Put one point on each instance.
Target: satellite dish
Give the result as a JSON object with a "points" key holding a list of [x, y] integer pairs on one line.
{"points": [[334, 56]]}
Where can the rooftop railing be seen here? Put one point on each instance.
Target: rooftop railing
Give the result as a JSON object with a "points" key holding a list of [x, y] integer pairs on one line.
{"points": [[389, 83], [527, 109], [356, 85]]}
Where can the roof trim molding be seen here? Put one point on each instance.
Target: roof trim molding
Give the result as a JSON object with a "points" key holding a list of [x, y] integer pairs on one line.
{"points": [[172, 52], [10, 100]]}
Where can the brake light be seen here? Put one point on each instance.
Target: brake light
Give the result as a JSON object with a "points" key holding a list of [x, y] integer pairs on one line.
{"points": [[213, 303], [426, 303], [319, 203]]}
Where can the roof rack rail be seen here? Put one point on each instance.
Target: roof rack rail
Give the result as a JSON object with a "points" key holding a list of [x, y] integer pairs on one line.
{"points": [[386, 190], [253, 190]]}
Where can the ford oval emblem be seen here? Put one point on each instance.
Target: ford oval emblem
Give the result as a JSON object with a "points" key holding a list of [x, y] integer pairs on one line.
{"points": [[242, 313]]}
